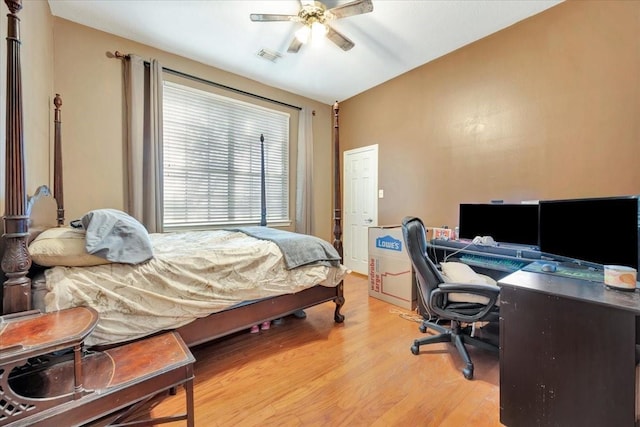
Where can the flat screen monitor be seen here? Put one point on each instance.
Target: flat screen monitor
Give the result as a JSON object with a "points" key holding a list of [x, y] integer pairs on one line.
{"points": [[600, 231], [506, 223]]}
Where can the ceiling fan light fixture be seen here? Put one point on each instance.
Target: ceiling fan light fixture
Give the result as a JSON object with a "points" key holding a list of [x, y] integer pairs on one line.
{"points": [[318, 30], [303, 34], [314, 31]]}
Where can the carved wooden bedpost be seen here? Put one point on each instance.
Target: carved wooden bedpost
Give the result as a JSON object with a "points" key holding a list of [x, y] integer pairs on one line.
{"points": [[58, 192], [337, 211], [16, 260], [337, 198], [263, 186]]}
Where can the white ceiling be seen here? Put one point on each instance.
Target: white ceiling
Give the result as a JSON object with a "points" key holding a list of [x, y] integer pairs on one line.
{"points": [[397, 36]]}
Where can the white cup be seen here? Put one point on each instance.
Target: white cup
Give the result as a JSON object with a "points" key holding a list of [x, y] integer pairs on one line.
{"points": [[620, 276]]}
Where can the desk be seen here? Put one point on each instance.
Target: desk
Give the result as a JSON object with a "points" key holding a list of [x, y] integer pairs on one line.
{"points": [[567, 352], [495, 261]]}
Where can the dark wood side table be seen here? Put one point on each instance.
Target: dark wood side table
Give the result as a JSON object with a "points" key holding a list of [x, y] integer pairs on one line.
{"points": [[86, 388], [27, 335], [567, 352]]}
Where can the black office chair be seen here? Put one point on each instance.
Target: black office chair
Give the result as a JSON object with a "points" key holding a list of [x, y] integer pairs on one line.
{"points": [[460, 303]]}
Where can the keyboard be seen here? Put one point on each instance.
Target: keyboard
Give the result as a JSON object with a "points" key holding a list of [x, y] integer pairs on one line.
{"points": [[493, 263]]}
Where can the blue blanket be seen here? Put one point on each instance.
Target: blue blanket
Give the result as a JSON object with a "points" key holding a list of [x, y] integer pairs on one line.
{"points": [[298, 249]]}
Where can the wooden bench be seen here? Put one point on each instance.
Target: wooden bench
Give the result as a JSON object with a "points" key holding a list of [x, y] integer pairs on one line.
{"points": [[46, 389]]}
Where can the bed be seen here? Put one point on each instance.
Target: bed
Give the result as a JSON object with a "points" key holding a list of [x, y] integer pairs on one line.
{"points": [[211, 320]]}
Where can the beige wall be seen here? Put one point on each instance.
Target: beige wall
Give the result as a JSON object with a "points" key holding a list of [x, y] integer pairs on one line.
{"points": [[91, 87], [548, 108]]}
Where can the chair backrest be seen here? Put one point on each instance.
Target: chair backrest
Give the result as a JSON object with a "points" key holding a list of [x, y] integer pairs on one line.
{"points": [[415, 240]]}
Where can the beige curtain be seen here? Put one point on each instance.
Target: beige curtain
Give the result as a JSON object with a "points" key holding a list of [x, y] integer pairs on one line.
{"points": [[304, 174], [143, 134]]}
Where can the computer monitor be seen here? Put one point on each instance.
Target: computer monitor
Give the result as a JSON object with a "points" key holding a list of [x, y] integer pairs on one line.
{"points": [[506, 223], [600, 230]]}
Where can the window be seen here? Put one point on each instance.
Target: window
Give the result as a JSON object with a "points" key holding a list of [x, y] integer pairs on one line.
{"points": [[212, 160]]}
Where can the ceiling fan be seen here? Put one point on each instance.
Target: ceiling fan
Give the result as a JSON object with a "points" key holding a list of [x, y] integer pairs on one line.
{"points": [[316, 17]]}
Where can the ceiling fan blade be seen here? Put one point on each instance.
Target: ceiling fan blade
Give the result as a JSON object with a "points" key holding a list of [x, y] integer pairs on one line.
{"points": [[267, 17], [356, 7], [342, 42], [295, 45]]}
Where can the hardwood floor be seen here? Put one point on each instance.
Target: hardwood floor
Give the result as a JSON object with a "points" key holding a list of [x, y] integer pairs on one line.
{"points": [[313, 372]]}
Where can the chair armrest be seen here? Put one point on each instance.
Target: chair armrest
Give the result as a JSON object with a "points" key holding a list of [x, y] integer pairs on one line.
{"points": [[485, 290], [491, 292]]}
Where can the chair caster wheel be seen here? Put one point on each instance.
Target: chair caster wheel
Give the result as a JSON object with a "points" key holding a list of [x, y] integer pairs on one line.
{"points": [[468, 373], [415, 349], [422, 328]]}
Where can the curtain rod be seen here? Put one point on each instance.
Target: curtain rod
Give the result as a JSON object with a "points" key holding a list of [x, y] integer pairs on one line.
{"points": [[218, 85]]}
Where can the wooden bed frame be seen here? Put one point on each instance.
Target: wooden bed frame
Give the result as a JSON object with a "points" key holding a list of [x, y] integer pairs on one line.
{"points": [[17, 261]]}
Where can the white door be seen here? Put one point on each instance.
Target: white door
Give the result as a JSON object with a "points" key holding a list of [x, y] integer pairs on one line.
{"points": [[360, 204]]}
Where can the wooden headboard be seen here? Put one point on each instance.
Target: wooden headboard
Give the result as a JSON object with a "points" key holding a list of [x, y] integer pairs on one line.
{"points": [[16, 261]]}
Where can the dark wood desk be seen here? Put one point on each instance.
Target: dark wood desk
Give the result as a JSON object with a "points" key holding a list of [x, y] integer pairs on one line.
{"points": [[496, 261], [567, 352]]}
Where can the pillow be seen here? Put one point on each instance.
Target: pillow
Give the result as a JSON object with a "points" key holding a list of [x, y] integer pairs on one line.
{"points": [[62, 246], [116, 236], [457, 272]]}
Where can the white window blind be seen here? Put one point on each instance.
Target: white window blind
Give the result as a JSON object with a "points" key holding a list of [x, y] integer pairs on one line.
{"points": [[212, 160]]}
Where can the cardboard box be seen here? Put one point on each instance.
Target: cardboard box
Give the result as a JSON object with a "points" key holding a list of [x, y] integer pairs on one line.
{"points": [[391, 278]]}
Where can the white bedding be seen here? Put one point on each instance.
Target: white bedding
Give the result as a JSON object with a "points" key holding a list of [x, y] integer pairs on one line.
{"points": [[191, 275]]}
